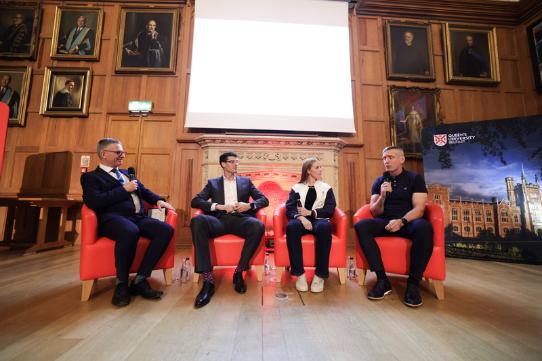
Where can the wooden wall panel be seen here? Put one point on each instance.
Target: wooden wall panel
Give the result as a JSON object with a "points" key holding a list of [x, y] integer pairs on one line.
{"points": [[369, 33], [510, 78], [492, 105], [122, 89], [514, 105], [127, 129], [371, 67], [164, 93], [154, 133], [448, 105], [97, 93], [154, 172], [374, 101]]}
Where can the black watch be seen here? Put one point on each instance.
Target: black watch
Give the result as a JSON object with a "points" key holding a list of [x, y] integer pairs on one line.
{"points": [[404, 220], [252, 206]]}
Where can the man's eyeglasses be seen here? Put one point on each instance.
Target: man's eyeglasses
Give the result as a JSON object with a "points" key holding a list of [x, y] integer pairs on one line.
{"points": [[117, 152], [233, 161]]}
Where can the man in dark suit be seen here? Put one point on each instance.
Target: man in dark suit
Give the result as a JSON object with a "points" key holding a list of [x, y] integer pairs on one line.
{"points": [[225, 201], [117, 198]]}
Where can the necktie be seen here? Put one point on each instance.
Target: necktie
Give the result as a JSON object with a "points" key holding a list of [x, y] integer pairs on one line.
{"points": [[119, 175]]}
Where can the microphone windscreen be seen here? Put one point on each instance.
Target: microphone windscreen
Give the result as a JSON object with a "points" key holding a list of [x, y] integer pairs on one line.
{"points": [[131, 173]]}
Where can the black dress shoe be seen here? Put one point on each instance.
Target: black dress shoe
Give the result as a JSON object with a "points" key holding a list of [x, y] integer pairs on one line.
{"points": [[239, 283], [121, 296], [412, 296], [204, 296], [380, 289], [143, 289]]}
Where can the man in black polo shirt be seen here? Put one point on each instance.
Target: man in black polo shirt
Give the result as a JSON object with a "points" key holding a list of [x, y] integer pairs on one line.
{"points": [[397, 203]]}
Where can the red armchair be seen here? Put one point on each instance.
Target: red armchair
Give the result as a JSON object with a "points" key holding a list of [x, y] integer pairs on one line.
{"points": [[98, 254], [226, 249], [337, 257], [396, 250]]}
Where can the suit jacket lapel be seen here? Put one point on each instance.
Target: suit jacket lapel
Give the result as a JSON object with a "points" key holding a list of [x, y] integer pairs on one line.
{"points": [[102, 173], [221, 194]]}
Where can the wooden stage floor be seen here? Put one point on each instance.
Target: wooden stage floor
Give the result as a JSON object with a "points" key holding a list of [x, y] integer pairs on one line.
{"points": [[492, 311]]}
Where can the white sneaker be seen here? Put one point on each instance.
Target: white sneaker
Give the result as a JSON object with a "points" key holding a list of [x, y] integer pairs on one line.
{"points": [[301, 283], [317, 284]]}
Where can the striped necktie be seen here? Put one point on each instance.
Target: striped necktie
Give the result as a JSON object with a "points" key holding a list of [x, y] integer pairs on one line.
{"points": [[119, 175]]}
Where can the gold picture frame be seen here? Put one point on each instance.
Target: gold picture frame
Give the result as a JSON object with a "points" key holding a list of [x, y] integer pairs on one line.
{"points": [[66, 92], [77, 33], [470, 54], [14, 90], [19, 30], [412, 109], [409, 51], [147, 40]]}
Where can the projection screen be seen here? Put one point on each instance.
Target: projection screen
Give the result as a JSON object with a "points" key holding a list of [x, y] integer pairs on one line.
{"points": [[279, 65]]}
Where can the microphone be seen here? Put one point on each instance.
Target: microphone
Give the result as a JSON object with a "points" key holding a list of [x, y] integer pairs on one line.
{"points": [[298, 198], [131, 173], [387, 178]]}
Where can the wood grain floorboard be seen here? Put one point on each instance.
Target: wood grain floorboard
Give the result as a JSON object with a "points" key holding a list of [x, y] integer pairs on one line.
{"points": [[492, 311]]}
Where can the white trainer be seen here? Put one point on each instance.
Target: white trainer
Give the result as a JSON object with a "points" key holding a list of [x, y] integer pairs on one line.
{"points": [[301, 283], [317, 284]]}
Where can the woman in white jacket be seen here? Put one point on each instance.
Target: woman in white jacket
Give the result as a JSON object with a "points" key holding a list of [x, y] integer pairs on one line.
{"points": [[310, 205]]}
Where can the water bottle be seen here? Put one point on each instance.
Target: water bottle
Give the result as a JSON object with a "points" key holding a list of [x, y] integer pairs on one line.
{"points": [[186, 270], [351, 264], [266, 264]]}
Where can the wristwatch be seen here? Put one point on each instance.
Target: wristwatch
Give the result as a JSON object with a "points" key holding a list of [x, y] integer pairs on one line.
{"points": [[252, 206], [404, 220]]}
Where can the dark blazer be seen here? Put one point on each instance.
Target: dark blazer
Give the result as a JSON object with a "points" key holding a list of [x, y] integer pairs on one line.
{"points": [[106, 196], [325, 212], [213, 192]]}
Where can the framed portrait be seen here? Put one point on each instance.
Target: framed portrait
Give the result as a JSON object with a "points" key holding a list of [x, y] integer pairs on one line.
{"points": [[471, 55], [66, 92], [147, 40], [412, 109], [14, 90], [409, 51], [534, 36], [19, 31], [77, 33]]}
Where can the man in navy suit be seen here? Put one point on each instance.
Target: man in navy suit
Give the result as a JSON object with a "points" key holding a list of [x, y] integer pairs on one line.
{"points": [[117, 198], [225, 202]]}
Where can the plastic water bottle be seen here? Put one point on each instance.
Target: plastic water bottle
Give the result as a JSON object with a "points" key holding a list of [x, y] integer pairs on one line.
{"points": [[186, 270], [351, 264], [266, 264]]}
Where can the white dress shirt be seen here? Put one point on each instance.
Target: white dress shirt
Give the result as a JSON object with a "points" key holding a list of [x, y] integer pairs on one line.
{"points": [[230, 192]]}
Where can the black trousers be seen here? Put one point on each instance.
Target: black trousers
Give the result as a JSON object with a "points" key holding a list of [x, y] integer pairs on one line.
{"points": [[419, 231], [321, 228], [125, 231], [205, 227]]}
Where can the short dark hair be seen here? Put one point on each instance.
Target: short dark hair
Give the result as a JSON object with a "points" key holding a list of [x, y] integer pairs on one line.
{"points": [[70, 81], [224, 156], [393, 147], [104, 142]]}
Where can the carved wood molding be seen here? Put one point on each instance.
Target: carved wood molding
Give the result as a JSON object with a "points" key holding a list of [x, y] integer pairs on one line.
{"points": [[529, 10], [469, 11], [274, 141]]}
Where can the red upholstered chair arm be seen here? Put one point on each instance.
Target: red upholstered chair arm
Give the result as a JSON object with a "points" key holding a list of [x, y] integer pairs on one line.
{"points": [[89, 226], [279, 221], [363, 213], [435, 215], [339, 222]]}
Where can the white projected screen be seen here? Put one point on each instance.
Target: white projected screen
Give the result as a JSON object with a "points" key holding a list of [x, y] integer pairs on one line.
{"points": [[271, 65]]}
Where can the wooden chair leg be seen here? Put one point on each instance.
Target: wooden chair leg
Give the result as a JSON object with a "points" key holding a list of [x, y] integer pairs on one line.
{"points": [[168, 276], [439, 289], [195, 276], [342, 275], [278, 273], [259, 273], [86, 289], [361, 276]]}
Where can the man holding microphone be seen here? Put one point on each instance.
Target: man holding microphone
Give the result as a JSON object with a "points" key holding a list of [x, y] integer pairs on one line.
{"points": [[397, 203]]}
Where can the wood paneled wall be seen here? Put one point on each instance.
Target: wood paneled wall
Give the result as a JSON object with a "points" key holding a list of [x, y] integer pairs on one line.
{"points": [[165, 153]]}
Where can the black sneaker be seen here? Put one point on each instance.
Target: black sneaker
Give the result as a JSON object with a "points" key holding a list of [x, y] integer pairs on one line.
{"points": [[380, 289], [412, 296], [121, 296]]}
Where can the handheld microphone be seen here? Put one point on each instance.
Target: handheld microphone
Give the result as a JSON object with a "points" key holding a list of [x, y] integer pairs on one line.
{"points": [[131, 173], [298, 198], [387, 178]]}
